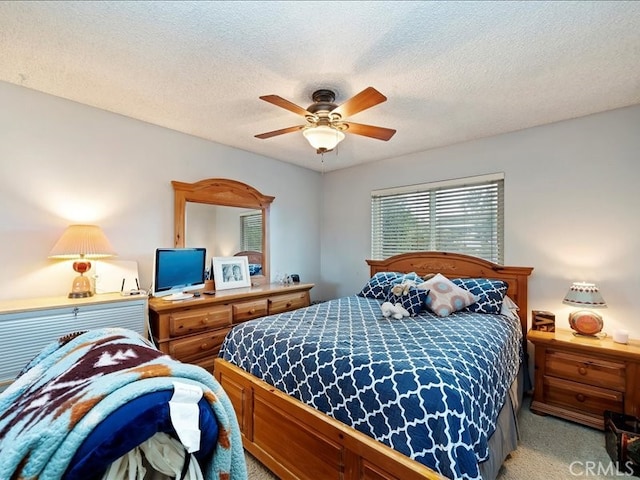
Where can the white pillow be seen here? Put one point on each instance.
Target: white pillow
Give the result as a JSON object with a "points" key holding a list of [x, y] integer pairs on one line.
{"points": [[445, 297], [509, 308]]}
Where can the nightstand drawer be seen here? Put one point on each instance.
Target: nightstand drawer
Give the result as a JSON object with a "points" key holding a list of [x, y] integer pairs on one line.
{"points": [[284, 303], [249, 310], [191, 321], [582, 398], [586, 369]]}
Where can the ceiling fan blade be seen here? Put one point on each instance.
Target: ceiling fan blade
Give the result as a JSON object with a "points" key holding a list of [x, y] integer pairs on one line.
{"points": [[367, 98], [380, 133], [280, 132], [286, 104]]}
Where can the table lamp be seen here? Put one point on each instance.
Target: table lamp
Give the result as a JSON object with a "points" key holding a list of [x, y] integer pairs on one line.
{"points": [[82, 242], [585, 322]]}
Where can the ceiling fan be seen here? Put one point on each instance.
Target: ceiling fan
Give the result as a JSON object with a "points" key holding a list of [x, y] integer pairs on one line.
{"points": [[325, 126]]}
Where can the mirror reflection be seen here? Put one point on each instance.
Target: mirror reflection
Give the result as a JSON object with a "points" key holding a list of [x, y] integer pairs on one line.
{"points": [[225, 232], [228, 218]]}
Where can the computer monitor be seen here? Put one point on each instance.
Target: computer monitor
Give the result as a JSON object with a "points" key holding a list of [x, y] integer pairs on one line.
{"points": [[177, 271]]}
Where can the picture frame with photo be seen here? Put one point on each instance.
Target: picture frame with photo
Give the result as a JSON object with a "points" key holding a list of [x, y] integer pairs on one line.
{"points": [[231, 272]]}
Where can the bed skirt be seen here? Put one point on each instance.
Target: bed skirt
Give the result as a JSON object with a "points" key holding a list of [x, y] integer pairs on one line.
{"points": [[504, 439]]}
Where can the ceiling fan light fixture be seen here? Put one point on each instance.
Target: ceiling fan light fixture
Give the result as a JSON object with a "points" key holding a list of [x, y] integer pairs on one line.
{"points": [[322, 137], [325, 127]]}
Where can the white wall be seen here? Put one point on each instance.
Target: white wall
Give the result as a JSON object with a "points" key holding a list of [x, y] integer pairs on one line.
{"points": [[571, 198], [571, 208], [62, 162]]}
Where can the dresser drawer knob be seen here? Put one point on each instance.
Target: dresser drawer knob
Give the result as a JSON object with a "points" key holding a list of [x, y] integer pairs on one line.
{"points": [[582, 370], [252, 311], [204, 346], [580, 397], [289, 304]]}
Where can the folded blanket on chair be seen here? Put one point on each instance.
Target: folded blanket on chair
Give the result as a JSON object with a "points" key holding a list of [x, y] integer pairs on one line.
{"points": [[75, 384]]}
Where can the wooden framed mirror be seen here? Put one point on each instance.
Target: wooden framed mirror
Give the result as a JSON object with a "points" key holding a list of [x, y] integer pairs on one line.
{"points": [[213, 213]]}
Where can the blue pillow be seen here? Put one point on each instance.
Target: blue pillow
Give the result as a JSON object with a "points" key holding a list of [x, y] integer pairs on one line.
{"points": [[490, 293], [377, 285], [407, 277], [413, 301], [255, 268]]}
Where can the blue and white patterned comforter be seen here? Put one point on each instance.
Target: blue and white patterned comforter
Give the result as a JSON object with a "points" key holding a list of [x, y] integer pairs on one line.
{"points": [[429, 387]]}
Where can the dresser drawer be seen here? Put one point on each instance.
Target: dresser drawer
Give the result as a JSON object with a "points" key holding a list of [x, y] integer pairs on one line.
{"points": [[290, 301], [191, 321], [203, 345], [247, 310], [580, 397], [586, 369], [206, 362]]}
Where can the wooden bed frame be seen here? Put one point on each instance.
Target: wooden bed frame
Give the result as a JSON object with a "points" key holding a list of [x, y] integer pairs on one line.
{"points": [[296, 441], [252, 255]]}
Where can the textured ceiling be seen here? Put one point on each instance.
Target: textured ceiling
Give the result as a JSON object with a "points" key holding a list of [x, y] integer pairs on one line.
{"points": [[452, 71]]}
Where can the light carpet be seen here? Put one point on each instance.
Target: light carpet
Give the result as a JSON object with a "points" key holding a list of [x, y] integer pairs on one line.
{"points": [[549, 449]]}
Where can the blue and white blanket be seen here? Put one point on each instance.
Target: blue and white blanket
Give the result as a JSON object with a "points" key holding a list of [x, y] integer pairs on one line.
{"points": [[114, 383], [429, 387]]}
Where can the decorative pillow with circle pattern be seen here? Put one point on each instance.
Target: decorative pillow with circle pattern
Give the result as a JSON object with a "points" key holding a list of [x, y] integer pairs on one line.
{"points": [[489, 293], [445, 297], [413, 300], [377, 286]]}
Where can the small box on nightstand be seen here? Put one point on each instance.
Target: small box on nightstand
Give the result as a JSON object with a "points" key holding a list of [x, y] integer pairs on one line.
{"points": [[622, 438], [543, 321]]}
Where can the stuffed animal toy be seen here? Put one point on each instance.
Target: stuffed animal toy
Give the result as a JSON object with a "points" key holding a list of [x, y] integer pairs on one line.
{"points": [[396, 311], [386, 308], [402, 288]]}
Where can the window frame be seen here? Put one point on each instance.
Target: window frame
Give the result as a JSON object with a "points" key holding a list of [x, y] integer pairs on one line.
{"points": [[445, 218], [246, 227]]}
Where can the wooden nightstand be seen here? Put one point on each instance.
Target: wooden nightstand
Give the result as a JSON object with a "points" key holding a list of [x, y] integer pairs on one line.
{"points": [[578, 378]]}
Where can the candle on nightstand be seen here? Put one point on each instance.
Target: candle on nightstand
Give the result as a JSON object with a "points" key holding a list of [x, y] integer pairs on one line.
{"points": [[621, 336]]}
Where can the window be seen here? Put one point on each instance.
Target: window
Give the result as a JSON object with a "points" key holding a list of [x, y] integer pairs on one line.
{"points": [[463, 216], [251, 231]]}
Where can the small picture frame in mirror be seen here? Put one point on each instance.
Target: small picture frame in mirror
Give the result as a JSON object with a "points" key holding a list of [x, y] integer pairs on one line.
{"points": [[231, 272]]}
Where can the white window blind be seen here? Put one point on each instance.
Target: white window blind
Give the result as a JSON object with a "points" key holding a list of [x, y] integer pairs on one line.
{"points": [[251, 231], [462, 216]]}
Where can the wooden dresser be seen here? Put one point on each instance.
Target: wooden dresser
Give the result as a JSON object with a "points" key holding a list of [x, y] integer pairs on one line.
{"points": [[29, 325], [578, 378], [192, 330]]}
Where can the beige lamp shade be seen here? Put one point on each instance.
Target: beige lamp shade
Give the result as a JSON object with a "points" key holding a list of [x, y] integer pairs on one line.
{"points": [[82, 242]]}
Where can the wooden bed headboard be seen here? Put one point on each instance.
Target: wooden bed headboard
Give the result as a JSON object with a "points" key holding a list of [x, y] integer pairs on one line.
{"points": [[254, 257], [457, 265]]}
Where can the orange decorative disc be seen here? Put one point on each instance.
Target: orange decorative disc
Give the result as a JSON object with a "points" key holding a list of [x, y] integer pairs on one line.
{"points": [[81, 266], [586, 322]]}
